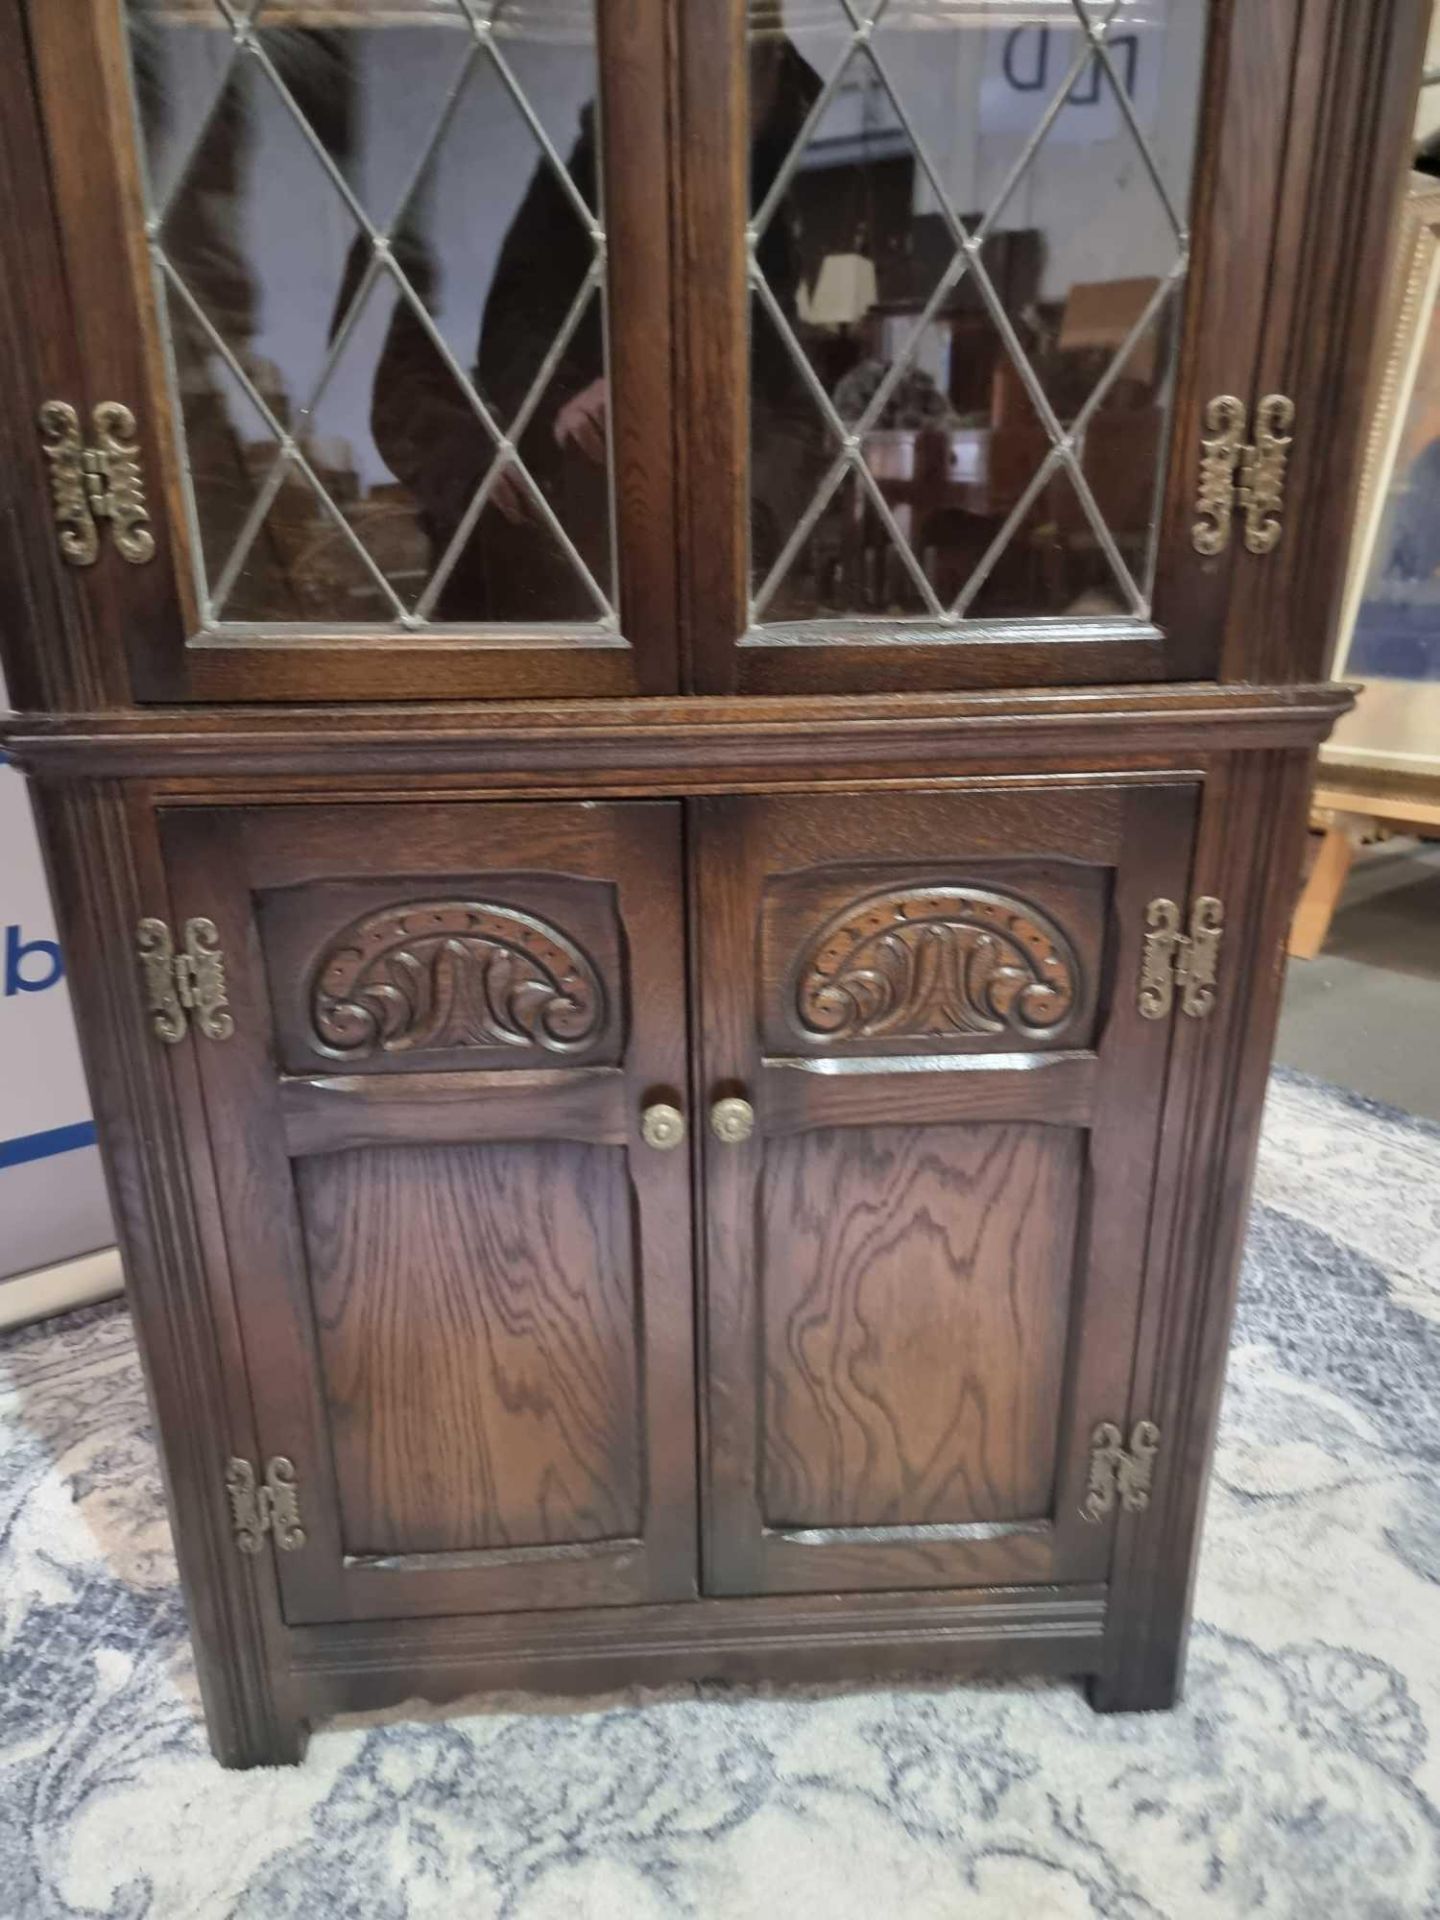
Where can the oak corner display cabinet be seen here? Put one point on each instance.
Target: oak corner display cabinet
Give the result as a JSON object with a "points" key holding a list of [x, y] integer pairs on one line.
{"points": [[670, 653]]}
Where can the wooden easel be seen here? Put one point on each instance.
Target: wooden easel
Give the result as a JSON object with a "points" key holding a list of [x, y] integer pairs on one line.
{"points": [[1353, 806]]}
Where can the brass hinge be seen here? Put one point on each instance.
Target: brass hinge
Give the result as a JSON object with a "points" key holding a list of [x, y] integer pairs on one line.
{"points": [[1118, 1473], [1248, 477], [257, 1510], [180, 984], [103, 482], [1189, 961]]}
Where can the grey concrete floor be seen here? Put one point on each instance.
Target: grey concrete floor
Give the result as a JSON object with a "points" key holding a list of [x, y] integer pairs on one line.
{"points": [[1366, 1014]]}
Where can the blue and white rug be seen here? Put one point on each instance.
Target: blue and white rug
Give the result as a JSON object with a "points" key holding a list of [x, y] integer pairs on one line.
{"points": [[1301, 1779]]}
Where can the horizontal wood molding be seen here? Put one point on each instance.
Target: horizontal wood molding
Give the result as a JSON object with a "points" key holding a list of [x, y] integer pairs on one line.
{"points": [[1059, 1629], [1056, 1088], [329, 1114], [696, 745]]}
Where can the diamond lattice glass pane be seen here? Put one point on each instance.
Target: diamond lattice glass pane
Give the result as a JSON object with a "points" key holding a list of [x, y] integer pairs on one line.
{"points": [[181, 58], [849, 560], [978, 236], [261, 236], [1052, 562], [334, 75], [385, 210], [513, 567], [396, 438], [300, 566], [232, 448]]}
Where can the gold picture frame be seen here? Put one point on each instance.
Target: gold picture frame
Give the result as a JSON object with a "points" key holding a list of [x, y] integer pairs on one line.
{"points": [[1394, 732]]}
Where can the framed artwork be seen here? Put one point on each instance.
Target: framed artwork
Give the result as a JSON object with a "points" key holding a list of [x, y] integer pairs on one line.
{"points": [[1390, 631]]}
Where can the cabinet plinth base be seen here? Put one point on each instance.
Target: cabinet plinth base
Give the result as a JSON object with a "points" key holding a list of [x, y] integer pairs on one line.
{"points": [[347, 1668]]}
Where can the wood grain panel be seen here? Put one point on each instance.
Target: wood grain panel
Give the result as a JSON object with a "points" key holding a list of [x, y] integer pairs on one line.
{"points": [[797, 1096], [331, 1112], [916, 1291], [476, 1325]]}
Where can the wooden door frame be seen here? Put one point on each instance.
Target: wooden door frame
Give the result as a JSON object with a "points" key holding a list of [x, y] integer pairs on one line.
{"points": [[80, 116], [261, 1121], [1304, 198], [1142, 829]]}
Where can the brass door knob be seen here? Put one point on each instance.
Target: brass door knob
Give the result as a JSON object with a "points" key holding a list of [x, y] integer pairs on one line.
{"points": [[662, 1127], [732, 1120]]}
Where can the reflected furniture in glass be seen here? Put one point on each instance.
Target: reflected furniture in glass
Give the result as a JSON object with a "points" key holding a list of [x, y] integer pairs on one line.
{"points": [[671, 655]]}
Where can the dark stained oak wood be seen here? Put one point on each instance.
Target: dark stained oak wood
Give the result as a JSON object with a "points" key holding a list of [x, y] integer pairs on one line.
{"points": [[916, 1284], [841, 1264], [796, 1096], [521, 1305], [327, 1114], [570, 1412], [810, 1637], [693, 745], [475, 1310], [1356, 64], [1248, 852]]}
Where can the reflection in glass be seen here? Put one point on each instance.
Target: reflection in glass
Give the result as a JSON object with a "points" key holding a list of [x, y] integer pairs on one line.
{"points": [[379, 260], [968, 253]]}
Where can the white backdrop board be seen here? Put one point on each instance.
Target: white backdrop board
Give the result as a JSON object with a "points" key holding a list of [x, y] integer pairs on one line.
{"points": [[52, 1194]]}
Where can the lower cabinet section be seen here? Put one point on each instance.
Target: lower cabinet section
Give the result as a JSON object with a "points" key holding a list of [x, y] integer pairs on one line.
{"points": [[669, 1237]]}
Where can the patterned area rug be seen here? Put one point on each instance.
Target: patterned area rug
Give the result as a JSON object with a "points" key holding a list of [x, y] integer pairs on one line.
{"points": [[1300, 1779]]}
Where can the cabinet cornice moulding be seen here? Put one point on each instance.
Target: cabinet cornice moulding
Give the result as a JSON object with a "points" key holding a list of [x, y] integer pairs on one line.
{"points": [[690, 745]]}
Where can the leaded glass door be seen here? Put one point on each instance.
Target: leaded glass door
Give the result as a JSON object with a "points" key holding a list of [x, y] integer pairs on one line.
{"points": [[386, 286], [980, 265]]}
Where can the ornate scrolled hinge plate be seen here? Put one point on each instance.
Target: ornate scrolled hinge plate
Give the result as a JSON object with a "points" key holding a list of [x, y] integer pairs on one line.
{"points": [[181, 985], [96, 483], [1241, 475], [1120, 1475], [1171, 958], [273, 1508]]}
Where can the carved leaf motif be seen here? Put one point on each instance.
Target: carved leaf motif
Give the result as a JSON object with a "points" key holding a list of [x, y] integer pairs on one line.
{"points": [[454, 973], [923, 963]]}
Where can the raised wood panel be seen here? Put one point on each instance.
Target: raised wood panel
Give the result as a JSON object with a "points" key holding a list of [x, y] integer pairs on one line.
{"points": [[917, 1286], [475, 1308]]}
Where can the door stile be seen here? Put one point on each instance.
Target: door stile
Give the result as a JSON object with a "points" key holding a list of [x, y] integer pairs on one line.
{"points": [[205, 857]]}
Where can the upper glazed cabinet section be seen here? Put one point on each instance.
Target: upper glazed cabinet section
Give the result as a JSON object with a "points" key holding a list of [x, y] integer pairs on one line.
{"points": [[393, 266], [377, 396], [990, 269]]}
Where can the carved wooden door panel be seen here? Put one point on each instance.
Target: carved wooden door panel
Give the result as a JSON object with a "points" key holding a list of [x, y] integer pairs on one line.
{"points": [[378, 298], [929, 1155], [462, 1269]]}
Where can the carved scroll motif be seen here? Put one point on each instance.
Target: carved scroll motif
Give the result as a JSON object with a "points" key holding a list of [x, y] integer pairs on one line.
{"points": [[926, 963], [432, 974]]}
